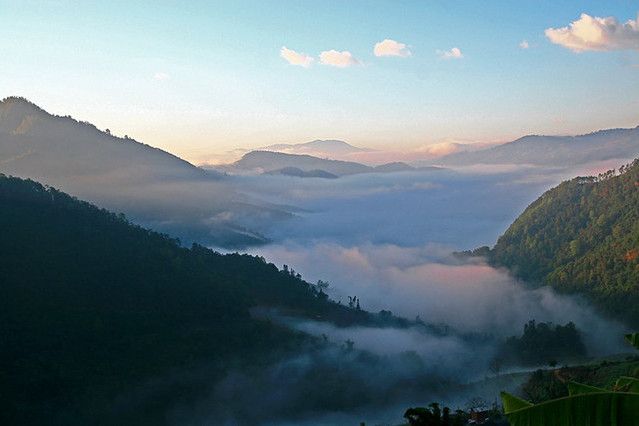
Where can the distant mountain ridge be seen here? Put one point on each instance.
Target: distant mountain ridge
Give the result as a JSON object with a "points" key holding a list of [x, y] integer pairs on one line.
{"points": [[318, 147], [555, 150], [269, 162], [296, 172]]}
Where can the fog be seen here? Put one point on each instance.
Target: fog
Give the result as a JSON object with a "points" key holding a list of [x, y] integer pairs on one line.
{"points": [[389, 240], [469, 295]]}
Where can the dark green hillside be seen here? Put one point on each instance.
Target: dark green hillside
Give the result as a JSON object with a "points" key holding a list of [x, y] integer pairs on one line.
{"points": [[91, 305], [582, 237]]}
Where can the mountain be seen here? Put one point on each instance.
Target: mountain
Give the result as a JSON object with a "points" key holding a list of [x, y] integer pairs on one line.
{"points": [[296, 172], [37, 144], [105, 322], [581, 237], [397, 166], [273, 162], [555, 150], [318, 148], [267, 161], [153, 187]]}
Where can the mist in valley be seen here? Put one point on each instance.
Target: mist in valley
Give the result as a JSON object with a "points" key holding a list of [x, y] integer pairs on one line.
{"points": [[389, 240]]}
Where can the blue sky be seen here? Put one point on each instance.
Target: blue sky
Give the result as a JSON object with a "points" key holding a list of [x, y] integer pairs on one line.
{"points": [[200, 78]]}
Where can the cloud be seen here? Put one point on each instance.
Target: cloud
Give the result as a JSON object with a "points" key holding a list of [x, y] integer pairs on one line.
{"points": [[161, 76], [334, 58], [390, 47], [428, 282], [524, 44], [440, 149], [594, 33], [454, 53], [295, 58]]}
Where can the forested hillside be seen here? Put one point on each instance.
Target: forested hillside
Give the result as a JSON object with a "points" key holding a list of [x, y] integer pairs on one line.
{"points": [[582, 237], [91, 305]]}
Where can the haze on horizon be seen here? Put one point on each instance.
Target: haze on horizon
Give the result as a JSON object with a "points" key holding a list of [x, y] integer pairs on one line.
{"points": [[201, 79]]}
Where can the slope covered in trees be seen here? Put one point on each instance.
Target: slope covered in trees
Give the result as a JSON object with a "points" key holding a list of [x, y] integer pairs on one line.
{"points": [[582, 237], [91, 305]]}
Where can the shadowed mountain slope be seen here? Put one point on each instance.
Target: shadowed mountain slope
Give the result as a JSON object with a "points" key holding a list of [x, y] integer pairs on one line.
{"points": [[151, 186]]}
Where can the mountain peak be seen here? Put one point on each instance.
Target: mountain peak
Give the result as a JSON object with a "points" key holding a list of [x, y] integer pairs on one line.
{"points": [[19, 103], [16, 111], [13, 101], [331, 144]]}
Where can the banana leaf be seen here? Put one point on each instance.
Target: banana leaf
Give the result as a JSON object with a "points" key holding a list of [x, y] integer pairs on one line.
{"points": [[575, 388], [633, 339], [512, 403], [627, 384], [585, 409]]}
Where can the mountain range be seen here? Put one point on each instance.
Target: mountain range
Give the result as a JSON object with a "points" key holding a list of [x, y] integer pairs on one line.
{"points": [[309, 166], [152, 186], [320, 148], [554, 150]]}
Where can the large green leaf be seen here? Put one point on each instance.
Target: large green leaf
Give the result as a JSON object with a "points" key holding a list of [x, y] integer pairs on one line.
{"points": [[586, 409], [627, 384], [512, 403], [633, 339], [575, 388]]}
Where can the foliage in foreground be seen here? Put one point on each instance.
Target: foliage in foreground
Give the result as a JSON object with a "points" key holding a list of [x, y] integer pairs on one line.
{"points": [[584, 405]]}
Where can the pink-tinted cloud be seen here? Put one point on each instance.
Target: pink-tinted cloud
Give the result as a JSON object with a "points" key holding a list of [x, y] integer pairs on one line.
{"points": [[468, 295], [338, 59], [440, 149], [454, 53], [594, 33], [296, 58], [390, 47]]}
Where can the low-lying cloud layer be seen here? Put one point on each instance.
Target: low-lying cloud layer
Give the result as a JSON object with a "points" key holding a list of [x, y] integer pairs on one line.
{"points": [[388, 239], [471, 297]]}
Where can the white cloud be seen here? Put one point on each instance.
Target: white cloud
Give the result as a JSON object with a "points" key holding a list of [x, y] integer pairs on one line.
{"points": [[524, 44], [593, 33], [440, 149], [454, 53], [295, 58], [389, 47], [338, 59], [161, 76]]}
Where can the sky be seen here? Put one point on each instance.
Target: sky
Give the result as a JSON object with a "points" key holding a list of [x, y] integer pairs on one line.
{"points": [[202, 78]]}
